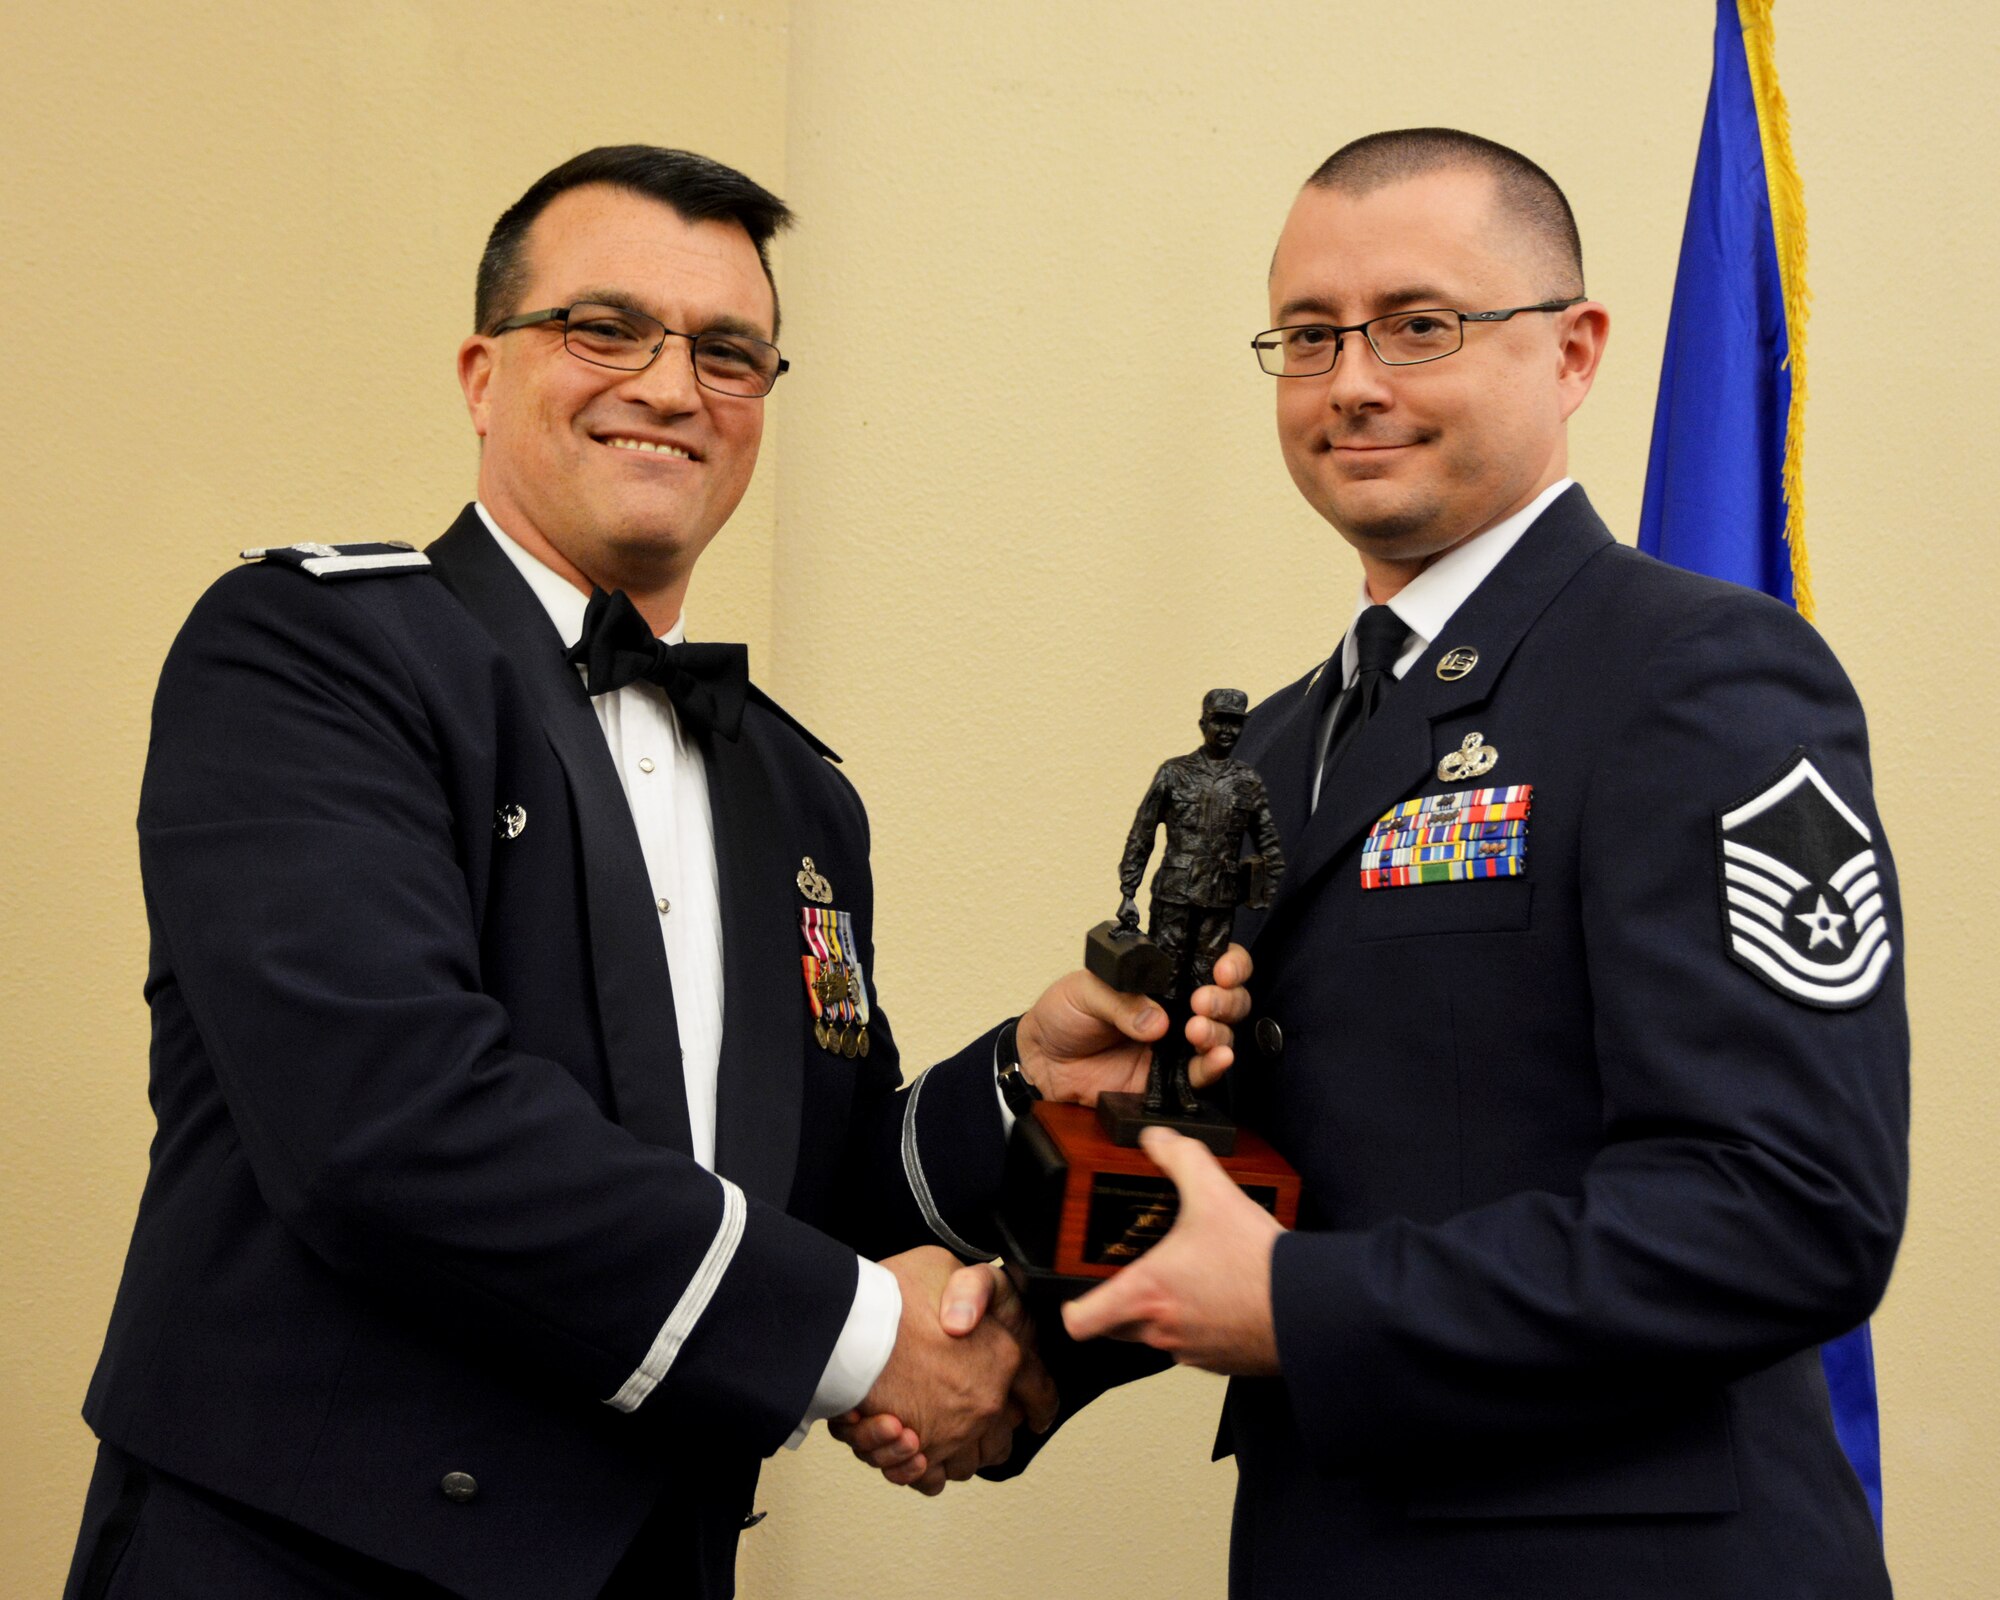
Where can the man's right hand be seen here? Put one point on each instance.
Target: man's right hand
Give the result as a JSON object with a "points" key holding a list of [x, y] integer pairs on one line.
{"points": [[974, 1299], [948, 1393]]}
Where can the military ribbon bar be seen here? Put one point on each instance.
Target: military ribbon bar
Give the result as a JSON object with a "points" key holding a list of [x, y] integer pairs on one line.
{"points": [[1450, 838]]}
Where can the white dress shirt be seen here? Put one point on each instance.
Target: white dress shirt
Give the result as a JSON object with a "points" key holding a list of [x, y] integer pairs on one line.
{"points": [[1426, 603], [666, 784]]}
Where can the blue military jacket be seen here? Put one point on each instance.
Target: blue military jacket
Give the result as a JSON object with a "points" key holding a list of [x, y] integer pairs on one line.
{"points": [[1589, 1170], [421, 1199]]}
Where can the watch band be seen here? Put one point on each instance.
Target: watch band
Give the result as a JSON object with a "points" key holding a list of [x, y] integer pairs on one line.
{"points": [[1015, 1086]]}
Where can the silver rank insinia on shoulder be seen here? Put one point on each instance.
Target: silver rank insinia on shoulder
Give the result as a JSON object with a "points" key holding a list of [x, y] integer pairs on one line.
{"points": [[343, 560]]}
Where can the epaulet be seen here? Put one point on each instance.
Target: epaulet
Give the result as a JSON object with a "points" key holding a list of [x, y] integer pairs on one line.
{"points": [[805, 733], [333, 562]]}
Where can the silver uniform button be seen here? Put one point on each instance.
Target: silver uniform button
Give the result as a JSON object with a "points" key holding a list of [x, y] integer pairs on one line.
{"points": [[459, 1486], [1270, 1037], [665, 905]]}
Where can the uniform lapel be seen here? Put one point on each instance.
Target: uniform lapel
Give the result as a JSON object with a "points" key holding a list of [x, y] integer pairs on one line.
{"points": [[1392, 755], [758, 1085], [1280, 747], [635, 998], [1382, 763], [1283, 759]]}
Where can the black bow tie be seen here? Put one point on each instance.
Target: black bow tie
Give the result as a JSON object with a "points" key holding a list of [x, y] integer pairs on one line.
{"points": [[706, 682]]}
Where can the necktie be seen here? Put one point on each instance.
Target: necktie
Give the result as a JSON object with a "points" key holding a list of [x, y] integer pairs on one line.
{"points": [[1378, 638], [706, 682]]}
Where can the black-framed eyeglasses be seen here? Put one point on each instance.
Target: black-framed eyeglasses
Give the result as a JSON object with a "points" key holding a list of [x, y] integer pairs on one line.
{"points": [[1399, 339], [628, 340]]}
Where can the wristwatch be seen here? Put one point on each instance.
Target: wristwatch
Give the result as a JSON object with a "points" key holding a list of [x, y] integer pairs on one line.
{"points": [[1015, 1087]]}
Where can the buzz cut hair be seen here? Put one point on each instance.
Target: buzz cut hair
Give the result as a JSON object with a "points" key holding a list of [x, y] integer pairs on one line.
{"points": [[697, 188], [1527, 195]]}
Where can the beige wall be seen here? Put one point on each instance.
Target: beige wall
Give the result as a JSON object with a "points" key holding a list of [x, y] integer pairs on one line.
{"points": [[960, 546]]}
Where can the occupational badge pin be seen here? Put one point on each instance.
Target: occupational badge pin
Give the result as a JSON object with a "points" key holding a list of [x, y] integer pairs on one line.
{"points": [[812, 885], [1455, 664], [1474, 758], [1802, 898], [508, 821]]}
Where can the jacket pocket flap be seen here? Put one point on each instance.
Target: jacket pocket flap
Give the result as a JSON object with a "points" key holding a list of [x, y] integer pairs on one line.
{"points": [[1487, 905]]}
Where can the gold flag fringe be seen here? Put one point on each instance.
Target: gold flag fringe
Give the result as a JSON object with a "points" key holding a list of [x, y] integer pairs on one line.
{"points": [[1788, 222]]}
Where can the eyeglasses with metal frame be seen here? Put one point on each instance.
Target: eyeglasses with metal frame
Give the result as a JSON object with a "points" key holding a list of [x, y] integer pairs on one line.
{"points": [[1398, 338], [629, 341]]}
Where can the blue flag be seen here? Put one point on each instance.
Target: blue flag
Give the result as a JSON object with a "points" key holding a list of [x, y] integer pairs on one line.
{"points": [[1724, 493]]}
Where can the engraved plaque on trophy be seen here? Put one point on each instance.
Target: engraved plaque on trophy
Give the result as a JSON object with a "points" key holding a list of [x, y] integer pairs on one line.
{"points": [[1080, 1199], [1077, 1207]]}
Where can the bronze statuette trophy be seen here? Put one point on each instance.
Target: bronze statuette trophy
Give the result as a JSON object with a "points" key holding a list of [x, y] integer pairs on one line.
{"points": [[1080, 1199]]}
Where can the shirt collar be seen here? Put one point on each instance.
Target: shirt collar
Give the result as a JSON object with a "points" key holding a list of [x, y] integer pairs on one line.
{"points": [[1426, 603], [561, 599]]}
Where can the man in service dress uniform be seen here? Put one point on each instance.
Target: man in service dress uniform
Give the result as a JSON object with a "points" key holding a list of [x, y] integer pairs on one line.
{"points": [[524, 1095], [1580, 1008]]}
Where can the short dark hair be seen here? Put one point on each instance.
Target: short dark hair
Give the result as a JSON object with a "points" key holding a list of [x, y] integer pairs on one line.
{"points": [[698, 188], [1526, 192]]}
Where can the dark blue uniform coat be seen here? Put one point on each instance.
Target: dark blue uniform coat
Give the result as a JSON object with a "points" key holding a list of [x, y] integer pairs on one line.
{"points": [[421, 1197], [1583, 1191]]}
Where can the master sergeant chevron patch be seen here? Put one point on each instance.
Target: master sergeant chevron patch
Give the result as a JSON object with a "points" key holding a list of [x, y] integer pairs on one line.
{"points": [[1801, 899]]}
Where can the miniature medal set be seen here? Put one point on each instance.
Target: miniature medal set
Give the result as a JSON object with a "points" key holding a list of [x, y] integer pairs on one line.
{"points": [[836, 986]]}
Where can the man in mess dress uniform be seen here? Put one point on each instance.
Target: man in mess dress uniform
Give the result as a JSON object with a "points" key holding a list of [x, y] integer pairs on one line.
{"points": [[529, 1127]]}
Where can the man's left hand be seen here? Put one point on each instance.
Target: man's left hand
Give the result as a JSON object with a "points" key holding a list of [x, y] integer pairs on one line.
{"points": [[1084, 1038], [1203, 1293]]}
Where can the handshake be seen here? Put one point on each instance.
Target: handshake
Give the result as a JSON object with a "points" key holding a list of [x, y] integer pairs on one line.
{"points": [[962, 1377], [964, 1374]]}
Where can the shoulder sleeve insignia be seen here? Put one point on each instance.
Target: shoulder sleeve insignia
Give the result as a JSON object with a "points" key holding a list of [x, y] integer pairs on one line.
{"points": [[1801, 898], [337, 561]]}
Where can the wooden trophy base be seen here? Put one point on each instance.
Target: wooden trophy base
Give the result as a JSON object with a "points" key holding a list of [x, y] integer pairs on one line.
{"points": [[1075, 1206]]}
